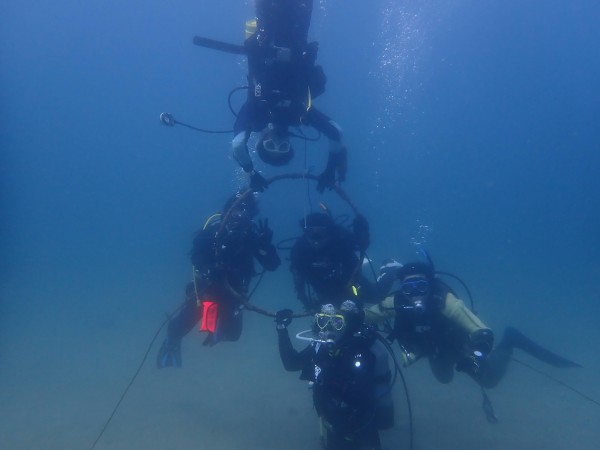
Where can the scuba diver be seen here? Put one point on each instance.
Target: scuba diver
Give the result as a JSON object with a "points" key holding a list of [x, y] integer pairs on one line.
{"points": [[282, 82], [324, 260], [222, 255], [347, 366], [430, 321]]}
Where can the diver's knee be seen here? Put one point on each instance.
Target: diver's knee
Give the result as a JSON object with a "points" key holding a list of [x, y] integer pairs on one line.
{"points": [[492, 371]]}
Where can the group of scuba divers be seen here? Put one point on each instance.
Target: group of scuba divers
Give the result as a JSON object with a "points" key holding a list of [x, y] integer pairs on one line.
{"points": [[356, 318]]}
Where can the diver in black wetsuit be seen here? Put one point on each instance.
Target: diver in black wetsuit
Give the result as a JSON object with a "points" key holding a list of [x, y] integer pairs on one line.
{"points": [[349, 371], [223, 267], [324, 260], [283, 80]]}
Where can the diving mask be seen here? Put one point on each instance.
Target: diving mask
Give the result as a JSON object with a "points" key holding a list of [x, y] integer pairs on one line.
{"points": [[414, 286], [335, 321], [276, 145]]}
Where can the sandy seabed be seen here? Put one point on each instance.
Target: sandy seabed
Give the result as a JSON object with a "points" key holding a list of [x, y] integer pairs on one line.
{"points": [[60, 384]]}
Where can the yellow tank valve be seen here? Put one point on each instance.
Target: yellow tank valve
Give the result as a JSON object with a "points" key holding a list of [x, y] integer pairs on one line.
{"points": [[250, 27]]}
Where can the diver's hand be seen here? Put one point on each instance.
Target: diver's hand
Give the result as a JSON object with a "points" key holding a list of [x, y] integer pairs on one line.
{"points": [[470, 364], [407, 357], [265, 234], [325, 180], [202, 279], [258, 183], [283, 318], [336, 161]]}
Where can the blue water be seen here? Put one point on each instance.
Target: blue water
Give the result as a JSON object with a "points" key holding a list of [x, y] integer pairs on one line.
{"points": [[472, 129]]}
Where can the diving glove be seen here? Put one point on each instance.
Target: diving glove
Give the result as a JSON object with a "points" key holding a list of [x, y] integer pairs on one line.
{"points": [[407, 356], [283, 318], [326, 180], [265, 234], [337, 161], [470, 364], [169, 354]]}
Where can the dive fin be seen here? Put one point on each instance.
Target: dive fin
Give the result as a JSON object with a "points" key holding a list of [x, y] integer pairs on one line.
{"points": [[169, 354], [219, 45], [513, 338]]}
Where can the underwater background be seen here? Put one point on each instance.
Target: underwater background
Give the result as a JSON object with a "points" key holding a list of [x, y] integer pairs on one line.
{"points": [[472, 131]]}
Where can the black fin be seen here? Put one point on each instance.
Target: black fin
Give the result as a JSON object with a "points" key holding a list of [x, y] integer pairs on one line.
{"points": [[513, 338], [219, 45]]}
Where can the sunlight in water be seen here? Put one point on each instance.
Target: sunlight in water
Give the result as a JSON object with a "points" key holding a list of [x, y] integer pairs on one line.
{"points": [[401, 39]]}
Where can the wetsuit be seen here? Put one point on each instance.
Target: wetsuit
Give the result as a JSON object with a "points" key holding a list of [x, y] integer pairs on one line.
{"points": [[330, 271], [220, 277], [452, 337], [448, 334], [351, 390], [282, 77]]}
